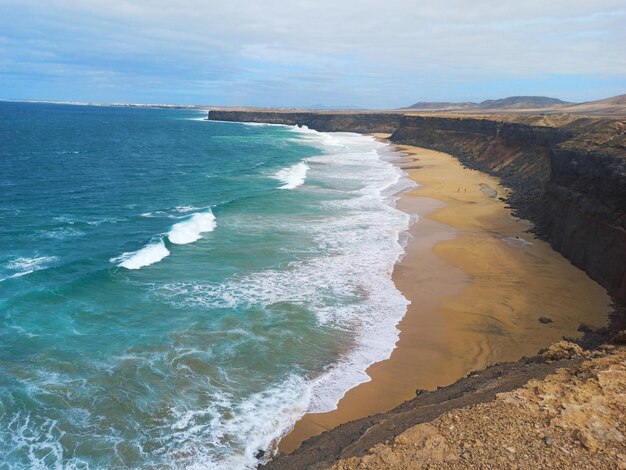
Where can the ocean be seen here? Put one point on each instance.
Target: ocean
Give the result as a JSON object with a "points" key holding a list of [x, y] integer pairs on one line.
{"points": [[176, 292]]}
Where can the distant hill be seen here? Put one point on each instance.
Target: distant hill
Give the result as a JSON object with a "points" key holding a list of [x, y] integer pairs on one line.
{"points": [[442, 105], [614, 106], [512, 102], [523, 102]]}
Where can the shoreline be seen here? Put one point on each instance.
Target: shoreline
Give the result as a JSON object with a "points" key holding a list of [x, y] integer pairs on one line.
{"points": [[465, 250]]}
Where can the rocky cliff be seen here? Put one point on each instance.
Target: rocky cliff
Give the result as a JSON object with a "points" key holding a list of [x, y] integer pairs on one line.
{"points": [[568, 415], [567, 173], [568, 177], [322, 121]]}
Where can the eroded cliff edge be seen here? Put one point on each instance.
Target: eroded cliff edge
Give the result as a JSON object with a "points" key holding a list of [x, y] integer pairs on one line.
{"points": [[567, 173]]}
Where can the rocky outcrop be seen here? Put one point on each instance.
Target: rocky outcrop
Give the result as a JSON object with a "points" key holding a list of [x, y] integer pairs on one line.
{"points": [[568, 174], [563, 408], [573, 418]]}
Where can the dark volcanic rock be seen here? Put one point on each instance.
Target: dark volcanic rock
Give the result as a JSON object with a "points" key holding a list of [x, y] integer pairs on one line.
{"points": [[620, 337], [545, 320]]}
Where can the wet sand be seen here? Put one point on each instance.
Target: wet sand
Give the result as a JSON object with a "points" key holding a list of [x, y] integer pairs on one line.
{"points": [[477, 282]]}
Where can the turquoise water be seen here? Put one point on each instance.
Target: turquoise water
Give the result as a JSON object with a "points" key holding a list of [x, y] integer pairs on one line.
{"points": [[174, 292]]}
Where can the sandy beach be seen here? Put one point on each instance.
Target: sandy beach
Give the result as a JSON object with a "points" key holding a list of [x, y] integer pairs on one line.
{"points": [[478, 283]]}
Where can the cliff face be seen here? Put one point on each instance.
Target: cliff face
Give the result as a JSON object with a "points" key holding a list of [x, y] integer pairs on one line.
{"points": [[585, 214], [320, 121], [518, 153], [570, 180], [568, 174]]}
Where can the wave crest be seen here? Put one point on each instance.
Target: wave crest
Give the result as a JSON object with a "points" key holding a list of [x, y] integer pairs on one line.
{"points": [[192, 229], [293, 176], [149, 254], [182, 233]]}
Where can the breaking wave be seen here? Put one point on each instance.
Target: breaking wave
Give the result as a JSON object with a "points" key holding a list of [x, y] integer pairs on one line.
{"points": [[293, 176]]}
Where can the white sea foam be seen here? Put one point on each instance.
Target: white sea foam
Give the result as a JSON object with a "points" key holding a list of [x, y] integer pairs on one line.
{"points": [[41, 439], [347, 287], [21, 266], [192, 229], [330, 142], [149, 215], [247, 426], [65, 219], [61, 233], [149, 254], [293, 176], [106, 220], [185, 209], [35, 263], [261, 124]]}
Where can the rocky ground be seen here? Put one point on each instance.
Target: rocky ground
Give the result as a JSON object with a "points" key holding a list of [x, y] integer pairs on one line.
{"points": [[564, 408], [574, 418]]}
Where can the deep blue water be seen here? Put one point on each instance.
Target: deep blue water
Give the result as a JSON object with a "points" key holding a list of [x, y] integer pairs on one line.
{"points": [[176, 292]]}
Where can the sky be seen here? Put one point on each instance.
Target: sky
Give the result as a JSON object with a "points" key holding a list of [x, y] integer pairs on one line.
{"points": [[299, 53]]}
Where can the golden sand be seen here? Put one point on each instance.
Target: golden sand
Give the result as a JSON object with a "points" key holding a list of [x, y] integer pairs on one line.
{"points": [[477, 282]]}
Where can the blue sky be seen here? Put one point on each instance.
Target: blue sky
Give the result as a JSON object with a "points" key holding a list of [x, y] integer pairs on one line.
{"points": [[303, 52]]}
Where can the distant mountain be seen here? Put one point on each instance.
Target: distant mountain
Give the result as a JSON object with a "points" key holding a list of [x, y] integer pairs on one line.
{"points": [[510, 103], [523, 102], [614, 106], [441, 105]]}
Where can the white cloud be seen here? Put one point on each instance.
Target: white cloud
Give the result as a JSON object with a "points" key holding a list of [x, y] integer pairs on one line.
{"points": [[393, 42]]}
